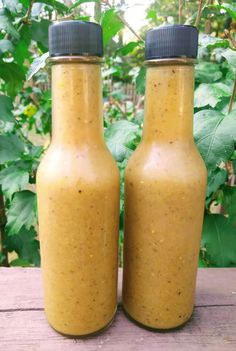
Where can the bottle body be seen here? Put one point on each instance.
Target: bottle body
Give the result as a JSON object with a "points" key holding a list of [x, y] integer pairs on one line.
{"points": [[78, 206], [165, 184]]}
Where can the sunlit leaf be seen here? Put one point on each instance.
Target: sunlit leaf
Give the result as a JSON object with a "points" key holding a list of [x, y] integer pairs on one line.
{"points": [[211, 94], [215, 136], [6, 46], [22, 212], [140, 81], [229, 8], [26, 245], [230, 56], [11, 148], [211, 42], [37, 64], [6, 24], [128, 48], [6, 108], [13, 75], [219, 240], [111, 25], [120, 138], [12, 179]]}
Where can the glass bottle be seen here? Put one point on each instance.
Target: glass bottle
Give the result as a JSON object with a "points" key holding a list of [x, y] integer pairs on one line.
{"points": [[165, 182], [78, 189]]}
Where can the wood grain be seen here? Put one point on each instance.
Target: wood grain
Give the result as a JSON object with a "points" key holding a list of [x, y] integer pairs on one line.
{"points": [[21, 288], [23, 326]]}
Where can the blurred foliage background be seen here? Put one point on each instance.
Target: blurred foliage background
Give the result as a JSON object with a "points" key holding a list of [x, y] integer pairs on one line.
{"points": [[25, 108]]}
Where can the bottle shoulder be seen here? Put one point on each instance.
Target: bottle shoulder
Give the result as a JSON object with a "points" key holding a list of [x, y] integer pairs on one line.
{"points": [[180, 159], [78, 162]]}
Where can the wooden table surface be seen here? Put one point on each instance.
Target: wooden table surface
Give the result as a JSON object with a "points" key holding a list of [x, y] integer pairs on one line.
{"points": [[212, 327]]}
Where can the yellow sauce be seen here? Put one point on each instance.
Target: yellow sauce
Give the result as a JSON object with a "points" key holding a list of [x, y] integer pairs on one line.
{"points": [[78, 206], [165, 183]]}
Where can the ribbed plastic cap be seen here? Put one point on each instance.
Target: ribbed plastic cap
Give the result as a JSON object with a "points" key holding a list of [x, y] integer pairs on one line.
{"points": [[171, 41], [75, 38]]}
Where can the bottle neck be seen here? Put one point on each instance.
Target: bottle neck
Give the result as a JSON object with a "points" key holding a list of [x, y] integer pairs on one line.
{"points": [[169, 103], [76, 103]]}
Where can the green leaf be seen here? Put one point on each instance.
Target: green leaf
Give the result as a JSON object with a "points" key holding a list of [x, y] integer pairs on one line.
{"points": [[216, 179], [6, 108], [13, 6], [22, 212], [229, 8], [37, 64], [211, 42], [39, 32], [22, 54], [140, 81], [111, 25], [229, 201], [25, 3], [2, 257], [19, 262], [219, 240], [211, 94], [22, 47], [215, 135], [11, 148], [6, 46], [56, 5], [152, 14], [120, 138], [80, 2], [230, 56], [207, 72], [202, 263], [128, 48], [108, 72], [6, 24], [13, 75], [13, 179], [25, 244]]}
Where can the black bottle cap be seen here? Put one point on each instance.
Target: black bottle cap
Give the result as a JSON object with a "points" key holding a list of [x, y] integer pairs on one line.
{"points": [[171, 41], [76, 38]]}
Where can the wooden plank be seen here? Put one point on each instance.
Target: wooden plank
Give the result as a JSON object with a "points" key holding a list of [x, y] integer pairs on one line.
{"points": [[216, 286], [23, 326], [211, 328], [21, 287]]}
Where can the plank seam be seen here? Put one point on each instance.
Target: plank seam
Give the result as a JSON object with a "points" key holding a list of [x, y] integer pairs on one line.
{"points": [[21, 309], [119, 307]]}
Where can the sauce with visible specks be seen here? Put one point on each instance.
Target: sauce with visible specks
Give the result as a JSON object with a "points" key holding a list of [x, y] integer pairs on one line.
{"points": [[78, 206], [165, 183]]}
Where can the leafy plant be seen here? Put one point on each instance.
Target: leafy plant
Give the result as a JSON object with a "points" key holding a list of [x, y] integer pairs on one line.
{"points": [[25, 111]]}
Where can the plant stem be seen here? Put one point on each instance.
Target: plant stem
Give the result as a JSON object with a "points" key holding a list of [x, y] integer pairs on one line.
{"points": [[26, 19], [230, 37], [232, 98], [3, 222], [106, 2], [199, 12], [180, 10]]}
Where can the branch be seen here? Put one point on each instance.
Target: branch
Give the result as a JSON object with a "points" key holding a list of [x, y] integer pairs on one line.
{"points": [[3, 222], [180, 10], [28, 14], [199, 12], [106, 2], [232, 98], [230, 37], [26, 19], [233, 43], [116, 103]]}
